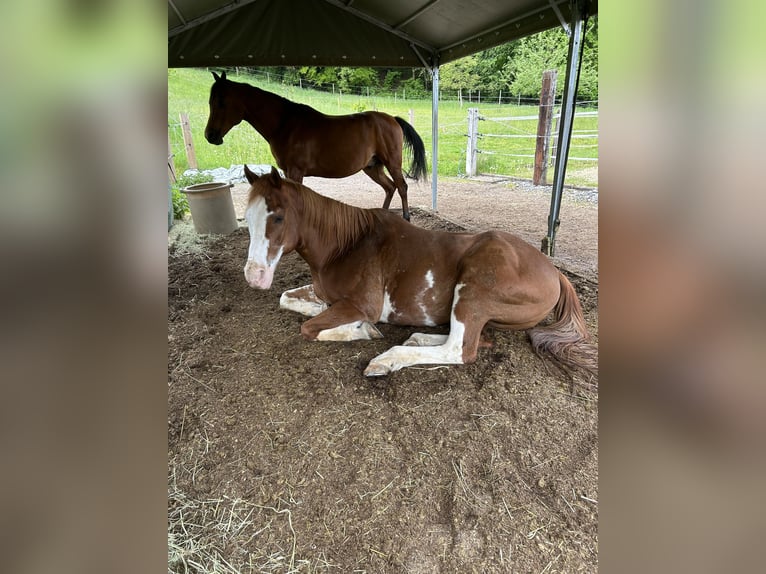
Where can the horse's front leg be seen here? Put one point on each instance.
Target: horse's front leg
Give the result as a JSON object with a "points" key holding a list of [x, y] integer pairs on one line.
{"points": [[302, 300], [457, 348], [295, 174], [340, 322]]}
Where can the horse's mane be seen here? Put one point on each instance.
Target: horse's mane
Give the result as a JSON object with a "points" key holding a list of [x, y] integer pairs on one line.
{"points": [[285, 102], [339, 225]]}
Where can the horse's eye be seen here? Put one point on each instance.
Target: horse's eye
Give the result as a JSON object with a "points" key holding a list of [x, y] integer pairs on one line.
{"points": [[278, 219]]}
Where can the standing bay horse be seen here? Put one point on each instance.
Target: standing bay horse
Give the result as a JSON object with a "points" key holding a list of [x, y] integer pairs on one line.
{"points": [[305, 141], [367, 265]]}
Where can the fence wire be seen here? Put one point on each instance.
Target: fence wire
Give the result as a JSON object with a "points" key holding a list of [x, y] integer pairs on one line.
{"points": [[516, 136]]}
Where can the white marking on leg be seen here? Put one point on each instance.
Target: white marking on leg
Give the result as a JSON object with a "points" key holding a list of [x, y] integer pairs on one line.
{"points": [[425, 340], [450, 352], [302, 300], [358, 330]]}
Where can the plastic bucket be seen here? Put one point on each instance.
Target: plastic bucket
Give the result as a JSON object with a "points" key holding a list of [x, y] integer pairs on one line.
{"points": [[212, 208]]}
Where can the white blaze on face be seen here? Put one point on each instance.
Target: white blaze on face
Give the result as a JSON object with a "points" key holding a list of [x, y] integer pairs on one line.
{"points": [[259, 269]]}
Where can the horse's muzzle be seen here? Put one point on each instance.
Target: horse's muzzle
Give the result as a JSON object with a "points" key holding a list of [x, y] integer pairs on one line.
{"points": [[258, 277], [213, 137]]}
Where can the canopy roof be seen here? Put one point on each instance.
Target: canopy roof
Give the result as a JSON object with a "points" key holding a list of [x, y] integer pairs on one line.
{"points": [[373, 33]]}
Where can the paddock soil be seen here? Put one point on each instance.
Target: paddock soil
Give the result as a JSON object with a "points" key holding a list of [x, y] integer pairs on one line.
{"points": [[283, 457]]}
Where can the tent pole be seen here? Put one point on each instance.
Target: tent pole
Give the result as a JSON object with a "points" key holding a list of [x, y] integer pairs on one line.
{"points": [[434, 133], [579, 13], [434, 117]]}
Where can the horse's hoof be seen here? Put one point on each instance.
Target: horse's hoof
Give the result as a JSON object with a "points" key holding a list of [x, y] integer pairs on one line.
{"points": [[406, 216], [376, 370], [425, 340]]}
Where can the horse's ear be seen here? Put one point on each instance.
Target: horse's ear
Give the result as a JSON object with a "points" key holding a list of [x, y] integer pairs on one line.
{"points": [[274, 178], [251, 177], [216, 77], [223, 75]]}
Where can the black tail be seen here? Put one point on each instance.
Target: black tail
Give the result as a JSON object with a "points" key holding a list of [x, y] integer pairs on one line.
{"points": [[412, 141]]}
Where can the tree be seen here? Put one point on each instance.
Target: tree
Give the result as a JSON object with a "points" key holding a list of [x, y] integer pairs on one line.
{"points": [[588, 87], [514, 67], [416, 85], [350, 78], [491, 67], [392, 80], [321, 76], [547, 50], [461, 74]]}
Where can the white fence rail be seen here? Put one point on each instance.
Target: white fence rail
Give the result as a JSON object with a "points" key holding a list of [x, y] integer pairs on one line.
{"points": [[509, 134]]}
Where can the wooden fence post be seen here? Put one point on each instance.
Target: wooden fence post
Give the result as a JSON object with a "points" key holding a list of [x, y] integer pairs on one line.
{"points": [[542, 148], [473, 134], [191, 157]]}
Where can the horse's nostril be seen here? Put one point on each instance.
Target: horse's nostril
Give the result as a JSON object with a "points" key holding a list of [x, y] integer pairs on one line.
{"points": [[213, 136]]}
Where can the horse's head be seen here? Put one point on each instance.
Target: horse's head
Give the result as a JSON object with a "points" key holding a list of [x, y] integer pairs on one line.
{"points": [[271, 220], [226, 110]]}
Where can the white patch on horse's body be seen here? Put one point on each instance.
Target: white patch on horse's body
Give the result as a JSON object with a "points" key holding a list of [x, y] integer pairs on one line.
{"points": [[355, 331], [388, 308], [429, 278], [302, 300], [448, 352], [259, 269], [427, 321]]}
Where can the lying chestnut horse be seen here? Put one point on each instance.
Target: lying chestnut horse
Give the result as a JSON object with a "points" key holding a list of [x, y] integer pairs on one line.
{"points": [[368, 265], [305, 141]]}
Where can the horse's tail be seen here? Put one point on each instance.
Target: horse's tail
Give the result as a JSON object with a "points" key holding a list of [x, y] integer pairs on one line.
{"points": [[567, 339], [413, 142]]}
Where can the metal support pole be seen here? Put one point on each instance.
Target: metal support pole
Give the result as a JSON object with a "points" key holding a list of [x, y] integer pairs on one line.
{"points": [[579, 13], [434, 133]]}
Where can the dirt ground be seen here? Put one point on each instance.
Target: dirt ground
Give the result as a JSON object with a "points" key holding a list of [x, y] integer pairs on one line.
{"points": [[283, 457]]}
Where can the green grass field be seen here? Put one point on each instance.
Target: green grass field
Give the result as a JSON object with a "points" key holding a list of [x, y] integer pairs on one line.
{"points": [[188, 91]]}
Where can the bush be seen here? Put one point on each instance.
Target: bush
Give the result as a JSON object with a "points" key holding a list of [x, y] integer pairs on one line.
{"points": [[361, 106], [392, 81], [414, 88], [180, 204]]}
